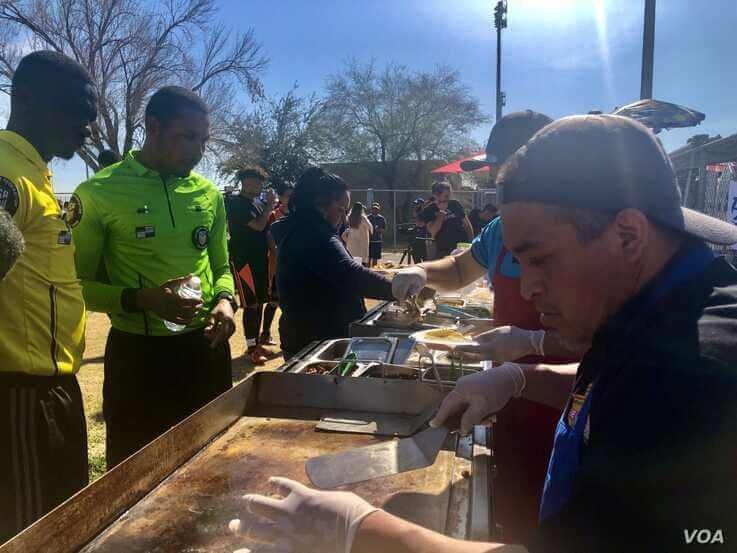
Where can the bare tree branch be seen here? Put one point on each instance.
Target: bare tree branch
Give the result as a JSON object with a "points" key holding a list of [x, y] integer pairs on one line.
{"points": [[132, 48]]}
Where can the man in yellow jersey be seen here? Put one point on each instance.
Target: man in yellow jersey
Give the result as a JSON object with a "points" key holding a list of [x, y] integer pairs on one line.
{"points": [[43, 439]]}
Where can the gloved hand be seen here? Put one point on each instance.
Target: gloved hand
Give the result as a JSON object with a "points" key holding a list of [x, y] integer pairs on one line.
{"points": [[305, 520], [481, 394], [505, 343], [408, 282]]}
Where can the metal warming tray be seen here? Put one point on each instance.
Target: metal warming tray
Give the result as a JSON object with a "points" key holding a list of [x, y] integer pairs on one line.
{"points": [[179, 492], [371, 325], [409, 361]]}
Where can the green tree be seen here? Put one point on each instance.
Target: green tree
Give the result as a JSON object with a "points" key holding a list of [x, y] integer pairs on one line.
{"points": [[701, 139], [395, 114]]}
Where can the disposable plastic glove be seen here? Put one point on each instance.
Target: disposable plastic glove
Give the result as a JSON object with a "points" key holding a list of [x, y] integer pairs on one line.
{"points": [[505, 343], [408, 282], [305, 520], [481, 394]]}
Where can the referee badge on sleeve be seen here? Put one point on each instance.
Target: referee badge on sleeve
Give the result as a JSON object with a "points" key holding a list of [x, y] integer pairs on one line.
{"points": [[9, 200], [74, 211], [200, 237]]}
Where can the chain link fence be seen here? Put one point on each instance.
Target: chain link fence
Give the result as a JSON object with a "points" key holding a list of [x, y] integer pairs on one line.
{"points": [[707, 190], [396, 207]]}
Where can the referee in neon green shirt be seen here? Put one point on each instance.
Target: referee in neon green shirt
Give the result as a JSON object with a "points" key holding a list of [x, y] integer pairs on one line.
{"points": [[150, 222]]}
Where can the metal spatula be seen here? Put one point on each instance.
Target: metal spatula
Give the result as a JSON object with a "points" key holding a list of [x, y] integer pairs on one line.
{"points": [[378, 424], [374, 461]]}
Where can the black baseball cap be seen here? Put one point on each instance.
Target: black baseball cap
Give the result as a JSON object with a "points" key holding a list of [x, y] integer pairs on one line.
{"points": [[605, 163], [507, 135]]}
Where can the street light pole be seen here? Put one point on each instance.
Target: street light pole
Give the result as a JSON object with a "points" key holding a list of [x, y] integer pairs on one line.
{"points": [[500, 22], [648, 51]]}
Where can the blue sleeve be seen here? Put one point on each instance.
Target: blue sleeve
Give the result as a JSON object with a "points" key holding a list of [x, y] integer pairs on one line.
{"points": [[486, 246]]}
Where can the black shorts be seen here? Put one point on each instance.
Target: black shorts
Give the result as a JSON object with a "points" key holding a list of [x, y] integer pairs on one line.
{"points": [[251, 281], [43, 458], [375, 250], [154, 382]]}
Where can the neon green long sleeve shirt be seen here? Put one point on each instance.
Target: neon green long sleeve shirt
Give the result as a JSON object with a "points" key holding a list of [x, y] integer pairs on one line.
{"points": [[133, 229]]}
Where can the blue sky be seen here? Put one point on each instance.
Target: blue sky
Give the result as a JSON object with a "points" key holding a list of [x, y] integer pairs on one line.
{"points": [[559, 56]]}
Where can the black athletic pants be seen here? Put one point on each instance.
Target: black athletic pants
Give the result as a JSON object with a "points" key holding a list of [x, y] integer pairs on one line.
{"points": [[154, 382], [258, 317], [43, 451]]}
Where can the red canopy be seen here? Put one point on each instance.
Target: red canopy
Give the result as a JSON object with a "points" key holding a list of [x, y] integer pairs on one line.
{"points": [[455, 166]]}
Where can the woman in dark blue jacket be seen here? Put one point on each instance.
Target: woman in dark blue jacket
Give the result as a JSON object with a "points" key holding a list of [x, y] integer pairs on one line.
{"points": [[321, 288]]}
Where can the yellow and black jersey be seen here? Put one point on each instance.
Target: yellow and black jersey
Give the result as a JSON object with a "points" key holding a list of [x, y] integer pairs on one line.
{"points": [[43, 315]]}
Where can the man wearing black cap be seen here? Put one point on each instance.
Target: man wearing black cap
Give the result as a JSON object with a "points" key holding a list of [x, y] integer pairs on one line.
{"points": [[518, 336], [645, 450]]}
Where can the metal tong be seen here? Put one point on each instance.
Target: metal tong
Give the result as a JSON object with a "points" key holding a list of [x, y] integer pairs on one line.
{"points": [[412, 307]]}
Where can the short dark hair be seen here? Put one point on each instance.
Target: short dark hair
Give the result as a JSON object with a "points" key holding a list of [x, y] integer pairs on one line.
{"points": [[46, 70], [253, 172], [316, 187], [490, 207], [107, 157], [440, 186], [169, 102]]}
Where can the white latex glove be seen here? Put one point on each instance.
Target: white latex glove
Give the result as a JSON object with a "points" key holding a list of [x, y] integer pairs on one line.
{"points": [[505, 343], [305, 520], [481, 394], [408, 282]]}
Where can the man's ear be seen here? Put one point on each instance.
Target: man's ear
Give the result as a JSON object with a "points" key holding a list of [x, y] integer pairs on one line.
{"points": [[631, 231]]}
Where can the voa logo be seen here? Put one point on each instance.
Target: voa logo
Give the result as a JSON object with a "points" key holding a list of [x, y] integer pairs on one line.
{"points": [[703, 536]]}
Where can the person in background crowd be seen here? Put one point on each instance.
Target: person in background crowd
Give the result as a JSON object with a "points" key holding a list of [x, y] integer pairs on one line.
{"points": [[64, 210], [248, 223], [281, 210], [43, 435], [356, 236], [153, 223], [315, 273], [420, 239], [475, 220], [456, 228], [479, 218], [377, 236], [436, 208], [489, 213], [443, 225], [645, 448], [12, 243], [106, 158], [432, 219]]}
